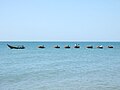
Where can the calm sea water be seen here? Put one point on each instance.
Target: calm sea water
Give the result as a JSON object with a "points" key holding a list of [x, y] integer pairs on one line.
{"points": [[60, 69]]}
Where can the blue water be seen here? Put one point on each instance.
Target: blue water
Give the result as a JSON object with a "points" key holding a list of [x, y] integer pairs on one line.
{"points": [[60, 69]]}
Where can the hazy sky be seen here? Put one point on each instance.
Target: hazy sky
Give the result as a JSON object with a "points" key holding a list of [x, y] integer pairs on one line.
{"points": [[72, 20]]}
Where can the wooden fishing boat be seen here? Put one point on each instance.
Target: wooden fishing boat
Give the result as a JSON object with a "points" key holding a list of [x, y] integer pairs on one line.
{"points": [[16, 47], [56, 46], [110, 46], [76, 46], [41, 46], [89, 46], [101, 47], [67, 46]]}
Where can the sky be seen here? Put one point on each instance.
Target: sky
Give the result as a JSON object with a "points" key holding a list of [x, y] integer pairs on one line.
{"points": [[59, 20]]}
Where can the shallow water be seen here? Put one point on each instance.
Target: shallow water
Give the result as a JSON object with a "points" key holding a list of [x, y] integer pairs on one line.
{"points": [[60, 69]]}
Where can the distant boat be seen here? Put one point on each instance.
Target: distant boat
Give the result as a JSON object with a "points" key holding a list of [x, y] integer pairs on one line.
{"points": [[56, 46], [76, 46], [89, 46], [16, 47], [110, 46], [67, 46], [41, 46], [101, 47]]}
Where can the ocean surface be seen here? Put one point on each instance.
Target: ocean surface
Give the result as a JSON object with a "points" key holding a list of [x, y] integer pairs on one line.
{"points": [[60, 69]]}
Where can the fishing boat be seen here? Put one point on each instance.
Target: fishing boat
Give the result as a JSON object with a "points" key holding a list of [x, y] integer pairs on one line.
{"points": [[16, 47], [89, 46], [110, 46], [41, 46], [101, 47], [76, 46], [56, 46], [66, 46]]}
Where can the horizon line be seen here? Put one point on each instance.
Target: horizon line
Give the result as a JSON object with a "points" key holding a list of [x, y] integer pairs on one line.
{"points": [[59, 40]]}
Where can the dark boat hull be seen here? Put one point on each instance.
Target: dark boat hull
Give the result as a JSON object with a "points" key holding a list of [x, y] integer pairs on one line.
{"points": [[67, 47], [110, 46], [99, 47], [15, 47], [76, 46], [41, 47], [57, 46], [89, 47]]}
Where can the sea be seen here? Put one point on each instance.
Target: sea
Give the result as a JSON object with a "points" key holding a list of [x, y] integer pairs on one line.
{"points": [[81, 68]]}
